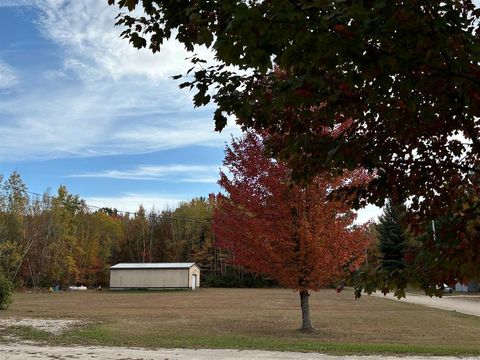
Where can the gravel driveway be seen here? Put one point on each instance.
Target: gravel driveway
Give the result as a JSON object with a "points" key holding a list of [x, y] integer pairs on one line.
{"points": [[28, 352], [465, 304]]}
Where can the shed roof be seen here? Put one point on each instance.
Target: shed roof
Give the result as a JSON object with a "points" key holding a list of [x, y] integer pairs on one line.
{"points": [[153, 265]]}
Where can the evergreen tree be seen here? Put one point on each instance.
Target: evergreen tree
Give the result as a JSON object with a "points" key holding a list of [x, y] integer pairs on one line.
{"points": [[392, 238]]}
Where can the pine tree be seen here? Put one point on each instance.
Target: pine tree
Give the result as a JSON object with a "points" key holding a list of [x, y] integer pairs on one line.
{"points": [[392, 238]]}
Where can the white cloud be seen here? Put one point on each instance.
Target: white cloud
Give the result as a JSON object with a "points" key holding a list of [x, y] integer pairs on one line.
{"points": [[176, 172], [131, 201], [201, 179], [8, 76], [86, 28], [107, 98], [184, 132], [52, 123], [100, 120]]}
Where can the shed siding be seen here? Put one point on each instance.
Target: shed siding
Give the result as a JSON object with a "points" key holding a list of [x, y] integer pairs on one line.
{"points": [[149, 278]]}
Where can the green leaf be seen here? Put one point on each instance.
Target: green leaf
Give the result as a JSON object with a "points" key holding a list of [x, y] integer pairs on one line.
{"points": [[220, 120]]}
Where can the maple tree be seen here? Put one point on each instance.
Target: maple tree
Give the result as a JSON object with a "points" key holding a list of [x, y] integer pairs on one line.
{"points": [[288, 232], [405, 73]]}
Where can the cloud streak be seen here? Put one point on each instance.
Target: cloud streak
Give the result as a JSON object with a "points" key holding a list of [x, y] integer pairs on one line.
{"points": [[8, 76], [130, 202], [175, 173], [86, 28]]}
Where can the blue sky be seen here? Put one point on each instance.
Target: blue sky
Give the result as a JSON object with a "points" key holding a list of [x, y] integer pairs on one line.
{"points": [[80, 107]]}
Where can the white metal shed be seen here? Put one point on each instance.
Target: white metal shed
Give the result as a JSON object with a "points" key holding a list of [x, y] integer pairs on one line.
{"points": [[154, 276]]}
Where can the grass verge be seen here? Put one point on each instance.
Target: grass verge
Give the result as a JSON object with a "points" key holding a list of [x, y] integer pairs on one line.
{"points": [[262, 319], [99, 336]]}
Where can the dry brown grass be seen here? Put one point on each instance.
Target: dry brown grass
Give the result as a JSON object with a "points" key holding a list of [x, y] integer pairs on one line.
{"points": [[143, 318]]}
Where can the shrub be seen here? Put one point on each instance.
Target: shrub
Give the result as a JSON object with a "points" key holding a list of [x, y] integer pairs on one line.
{"points": [[5, 292], [230, 279]]}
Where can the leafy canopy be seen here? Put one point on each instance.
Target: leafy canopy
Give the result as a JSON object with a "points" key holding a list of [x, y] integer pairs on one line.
{"points": [[398, 80], [288, 232]]}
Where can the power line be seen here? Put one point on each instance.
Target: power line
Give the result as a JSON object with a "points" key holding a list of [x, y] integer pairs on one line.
{"points": [[45, 195], [129, 213]]}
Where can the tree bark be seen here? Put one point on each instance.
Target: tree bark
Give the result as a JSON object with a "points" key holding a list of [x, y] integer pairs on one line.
{"points": [[304, 304]]}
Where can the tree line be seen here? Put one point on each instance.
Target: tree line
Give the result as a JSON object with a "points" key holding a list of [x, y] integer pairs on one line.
{"points": [[59, 240]]}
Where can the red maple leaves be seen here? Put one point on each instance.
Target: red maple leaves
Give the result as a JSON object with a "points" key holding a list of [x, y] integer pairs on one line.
{"points": [[292, 233]]}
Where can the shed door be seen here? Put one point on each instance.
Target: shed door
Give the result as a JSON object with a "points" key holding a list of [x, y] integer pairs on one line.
{"points": [[194, 281]]}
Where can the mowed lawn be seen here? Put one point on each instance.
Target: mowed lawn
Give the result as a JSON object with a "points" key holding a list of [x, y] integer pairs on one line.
{"points": [[248, 319]]}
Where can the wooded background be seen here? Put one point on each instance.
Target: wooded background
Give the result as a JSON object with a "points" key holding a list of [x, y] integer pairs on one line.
{"points": [[59, 240]]}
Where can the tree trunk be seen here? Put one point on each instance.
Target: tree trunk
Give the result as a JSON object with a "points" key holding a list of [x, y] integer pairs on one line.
{"points": [[306, 324]]}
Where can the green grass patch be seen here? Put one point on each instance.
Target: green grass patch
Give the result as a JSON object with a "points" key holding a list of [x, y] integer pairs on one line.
{"points": [[101, 335], [25, 333], [261, 319]]}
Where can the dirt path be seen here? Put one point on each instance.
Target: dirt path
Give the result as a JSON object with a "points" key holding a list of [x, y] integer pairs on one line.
{"points": [[465, 304], [28, 352]]}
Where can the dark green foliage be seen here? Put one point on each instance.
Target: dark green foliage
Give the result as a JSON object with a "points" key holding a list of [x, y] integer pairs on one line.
{"points": [[429, 259], [5, 292], [232, 279], [392, 239], [452, 252], [387, 269]]}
